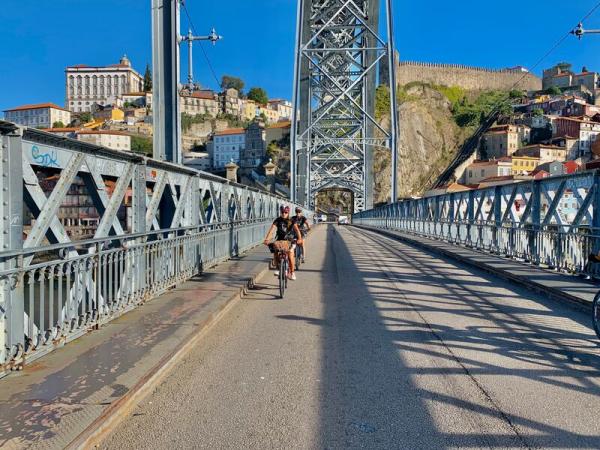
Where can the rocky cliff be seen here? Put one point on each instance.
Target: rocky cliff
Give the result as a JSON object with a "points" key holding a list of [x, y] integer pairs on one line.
{"points": [[429, 139]]}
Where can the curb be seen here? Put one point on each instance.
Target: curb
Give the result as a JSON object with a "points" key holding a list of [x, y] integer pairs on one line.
{"points": [[553, 293], [104, 424]]}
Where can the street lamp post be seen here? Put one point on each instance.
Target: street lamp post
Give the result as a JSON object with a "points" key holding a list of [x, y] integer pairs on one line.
{"points": [[190, 38]]}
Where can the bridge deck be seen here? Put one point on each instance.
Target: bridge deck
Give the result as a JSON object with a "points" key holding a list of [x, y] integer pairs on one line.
{"points": [[380, 345]]}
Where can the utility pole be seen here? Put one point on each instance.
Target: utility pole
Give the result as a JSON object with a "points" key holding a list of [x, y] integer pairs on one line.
{"points": [[190, 38], [579, 31]]}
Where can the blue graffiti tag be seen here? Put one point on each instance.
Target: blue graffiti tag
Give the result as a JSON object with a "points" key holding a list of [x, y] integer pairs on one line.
{"points": [[44, 159]]}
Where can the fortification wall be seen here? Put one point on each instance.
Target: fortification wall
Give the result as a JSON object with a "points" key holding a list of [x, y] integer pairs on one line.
{"points": [[466, 77]]}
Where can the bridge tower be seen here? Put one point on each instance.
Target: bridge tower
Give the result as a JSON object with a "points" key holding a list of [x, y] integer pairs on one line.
{"points": [[334, 130]]}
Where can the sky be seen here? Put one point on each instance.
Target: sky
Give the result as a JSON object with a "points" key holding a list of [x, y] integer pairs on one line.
{"points": [[41, 37]]}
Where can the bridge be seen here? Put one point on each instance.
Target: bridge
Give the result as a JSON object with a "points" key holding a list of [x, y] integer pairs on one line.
{"points": [[457, 320]]}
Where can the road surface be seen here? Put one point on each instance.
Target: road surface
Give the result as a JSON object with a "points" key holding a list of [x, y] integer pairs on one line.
{"points": [[380, 345]]}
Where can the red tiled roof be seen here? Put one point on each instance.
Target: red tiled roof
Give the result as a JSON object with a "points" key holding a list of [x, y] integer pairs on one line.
{"points": [[61, 130], [36, 106], [230, 131], [281, 125], [118, 133]]}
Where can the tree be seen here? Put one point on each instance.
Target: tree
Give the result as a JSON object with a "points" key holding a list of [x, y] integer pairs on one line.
{"points": [[230, 82], [58, 124], [553, 90], [147, 79], [142, 145], [85, 117], [259, 95], [382, 101]]}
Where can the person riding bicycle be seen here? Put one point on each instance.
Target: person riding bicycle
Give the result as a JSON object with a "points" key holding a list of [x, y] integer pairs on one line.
{"points": [[303, 226], [285, 230]]}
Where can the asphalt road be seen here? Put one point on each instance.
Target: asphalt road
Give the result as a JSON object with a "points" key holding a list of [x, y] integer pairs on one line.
{"points": [[379, 345]]}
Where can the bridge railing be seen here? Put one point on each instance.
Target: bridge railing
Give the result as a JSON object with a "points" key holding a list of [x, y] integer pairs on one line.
{"points": [[158, 225], [554, 222]]}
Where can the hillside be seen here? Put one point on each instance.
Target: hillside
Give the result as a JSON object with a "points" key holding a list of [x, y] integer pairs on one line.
{"points": [[434, 123]]}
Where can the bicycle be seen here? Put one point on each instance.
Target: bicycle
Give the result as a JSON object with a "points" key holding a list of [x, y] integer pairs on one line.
{"points": [[284, 267], [299, 251], [596, 314]]}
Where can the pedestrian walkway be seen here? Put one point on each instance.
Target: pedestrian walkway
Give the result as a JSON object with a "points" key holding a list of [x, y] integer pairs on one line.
{"points": [[380, 345], [74, 393], [554, 284]]}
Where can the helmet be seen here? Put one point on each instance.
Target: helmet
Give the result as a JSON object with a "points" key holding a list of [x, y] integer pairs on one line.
{"points": [[298, 210], [284, 209]]}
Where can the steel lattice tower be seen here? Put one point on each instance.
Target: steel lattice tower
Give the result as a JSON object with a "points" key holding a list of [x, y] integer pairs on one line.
{"points": [[334, 131]]}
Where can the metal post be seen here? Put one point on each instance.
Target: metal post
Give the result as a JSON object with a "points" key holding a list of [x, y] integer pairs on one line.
{"points": [[536, 209], [393, 99], [295, 106], [12, 308], [596, 213], [138, 220], [165, 73]]}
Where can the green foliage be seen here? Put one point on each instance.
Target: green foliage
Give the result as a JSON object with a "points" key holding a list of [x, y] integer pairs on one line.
{"points": [[147, 79], [515, 93], [187, 120], [85, 117], [259, 95], [230, 82], [382, 101], [140, 144], [264, 118], [538, 112], [455, 94], [553, 90], [58, 124], [233, 121], [472, 112]]}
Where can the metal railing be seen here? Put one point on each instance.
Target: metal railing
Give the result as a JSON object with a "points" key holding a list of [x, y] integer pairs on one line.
{"points": [[177, 222], [554, 223]]}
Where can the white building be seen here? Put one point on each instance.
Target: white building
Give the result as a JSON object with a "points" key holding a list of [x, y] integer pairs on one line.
{"points": [[197, 160], [226, 146], [86, 85], [41, 115], [115, 140], [480, 170], [283, 108]]}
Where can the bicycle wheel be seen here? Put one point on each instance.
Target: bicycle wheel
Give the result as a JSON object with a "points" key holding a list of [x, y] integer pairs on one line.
{"points": [[282, 276], [596, 314], [297, 254]]}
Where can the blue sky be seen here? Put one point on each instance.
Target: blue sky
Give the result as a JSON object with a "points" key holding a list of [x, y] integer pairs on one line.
{"points": [[41, 37]]}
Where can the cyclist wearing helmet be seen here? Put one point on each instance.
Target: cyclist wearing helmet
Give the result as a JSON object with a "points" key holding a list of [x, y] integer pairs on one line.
{"points": [[285, 230], [303, 226]]}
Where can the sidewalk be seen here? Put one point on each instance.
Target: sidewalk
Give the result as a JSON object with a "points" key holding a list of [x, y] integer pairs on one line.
{"points": [[74, 396], [556, 285]]}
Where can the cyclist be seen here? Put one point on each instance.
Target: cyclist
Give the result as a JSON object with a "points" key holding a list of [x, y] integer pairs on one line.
{"points": [[303, 226], [285, 230]]}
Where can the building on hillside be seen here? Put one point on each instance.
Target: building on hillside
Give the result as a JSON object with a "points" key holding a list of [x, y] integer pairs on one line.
{"points": [[587, 79], [108, 112], [199, 103], [137, 100], [68, 132], [277, 132], [449, 188], [40, 115], [226, 146], [249, 110], [504, 140], [269, 113], [584, 130], [86, 85], [283, 108], [569, 143], [255, 150], [542, 152], [504, 179], [480, 170], [197, 160], [116, 140], [522, 165], [230, 103]]}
